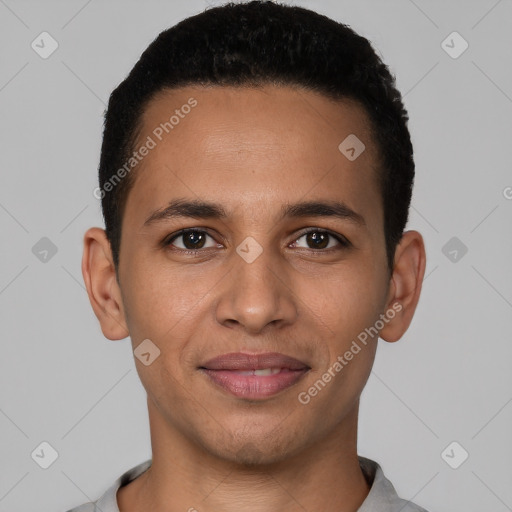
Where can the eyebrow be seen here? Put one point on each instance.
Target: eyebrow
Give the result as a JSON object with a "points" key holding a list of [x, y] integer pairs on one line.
{"points": [[197, 209]]}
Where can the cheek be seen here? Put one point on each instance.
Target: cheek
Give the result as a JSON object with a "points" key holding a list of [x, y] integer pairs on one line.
{"points": [[166, 306], [345, 302], [346, 312], [356, 301], [159, 298]]}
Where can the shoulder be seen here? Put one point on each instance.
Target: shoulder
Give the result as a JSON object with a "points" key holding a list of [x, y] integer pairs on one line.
{"points": [[108, 501], [382, 496], [86, 507], [408, 506]]}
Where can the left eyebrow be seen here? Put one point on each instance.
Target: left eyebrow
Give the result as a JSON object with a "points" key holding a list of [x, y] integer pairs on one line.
{"points": [[207, 210], [336, 209]]}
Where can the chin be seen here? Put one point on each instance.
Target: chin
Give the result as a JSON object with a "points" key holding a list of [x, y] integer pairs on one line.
{"points": [[254, 451], [252, 455]]}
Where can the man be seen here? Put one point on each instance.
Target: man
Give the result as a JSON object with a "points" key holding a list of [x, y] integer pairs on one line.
{"points": [[255, 176]]}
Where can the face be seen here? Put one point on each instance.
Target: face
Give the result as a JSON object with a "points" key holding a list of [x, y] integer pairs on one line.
{"points": [[256, 276]]}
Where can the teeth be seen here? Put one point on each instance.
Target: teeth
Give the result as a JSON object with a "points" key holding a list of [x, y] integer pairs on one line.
{"points": [[267, 371], [260, 373]]}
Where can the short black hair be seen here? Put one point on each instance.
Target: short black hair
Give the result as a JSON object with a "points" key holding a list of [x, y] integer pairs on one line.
{"points": [[254, 44]]}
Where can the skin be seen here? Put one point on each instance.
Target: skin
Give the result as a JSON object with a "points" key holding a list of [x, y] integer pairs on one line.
{"points": [[252, 150]]}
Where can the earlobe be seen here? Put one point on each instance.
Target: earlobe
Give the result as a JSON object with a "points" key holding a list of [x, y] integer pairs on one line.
{"points": [[405, 285], [102, 287]]}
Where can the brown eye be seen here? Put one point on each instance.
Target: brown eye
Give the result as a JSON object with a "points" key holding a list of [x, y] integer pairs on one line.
{"points": [[319, 239], [190, 240]]}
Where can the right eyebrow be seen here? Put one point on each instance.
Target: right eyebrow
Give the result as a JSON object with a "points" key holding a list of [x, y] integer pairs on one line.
{"points": [[198, 209], [187, 208]]}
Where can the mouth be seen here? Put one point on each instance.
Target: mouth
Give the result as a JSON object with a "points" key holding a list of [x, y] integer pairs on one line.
{"points": [[254, 376]]}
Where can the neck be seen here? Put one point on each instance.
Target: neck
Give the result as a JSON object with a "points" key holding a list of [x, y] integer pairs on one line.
{"points": [[186, 477]]}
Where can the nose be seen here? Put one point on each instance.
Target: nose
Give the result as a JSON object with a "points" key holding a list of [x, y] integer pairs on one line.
{"points": [[257, 294]]}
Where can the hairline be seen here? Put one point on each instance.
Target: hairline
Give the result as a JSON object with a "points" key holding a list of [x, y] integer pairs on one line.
{"points": [[130, 181]]}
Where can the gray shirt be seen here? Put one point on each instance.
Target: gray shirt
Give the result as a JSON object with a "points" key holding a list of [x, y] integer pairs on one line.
{"points": [[381, 498]]}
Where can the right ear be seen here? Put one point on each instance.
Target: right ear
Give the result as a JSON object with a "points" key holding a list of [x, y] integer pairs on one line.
{"points": [[101, 282]]}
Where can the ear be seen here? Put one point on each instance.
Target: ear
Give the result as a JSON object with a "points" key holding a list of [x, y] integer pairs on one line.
{"points": [[405, 285], [101, 282]]}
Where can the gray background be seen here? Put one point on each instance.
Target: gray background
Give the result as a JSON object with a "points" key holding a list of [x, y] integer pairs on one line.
{"points": [[447, 380]]}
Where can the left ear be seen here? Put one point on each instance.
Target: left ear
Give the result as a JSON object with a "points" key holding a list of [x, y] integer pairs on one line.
{"points": [[405, 285]]}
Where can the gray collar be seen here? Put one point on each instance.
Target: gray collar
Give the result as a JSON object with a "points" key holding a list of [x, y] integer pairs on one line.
{"points": [[381, 498]]}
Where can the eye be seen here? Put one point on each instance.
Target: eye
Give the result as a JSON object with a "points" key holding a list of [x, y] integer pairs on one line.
{"points": [[191, 240], [318, 239]]}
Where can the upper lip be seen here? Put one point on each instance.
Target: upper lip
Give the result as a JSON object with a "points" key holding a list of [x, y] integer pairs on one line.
{"points": [[244, 361]]}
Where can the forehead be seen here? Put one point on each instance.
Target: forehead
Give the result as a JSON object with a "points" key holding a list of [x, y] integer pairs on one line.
{"points": [[253, 149]]}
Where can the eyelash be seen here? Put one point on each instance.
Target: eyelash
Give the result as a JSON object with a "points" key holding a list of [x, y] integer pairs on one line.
{"points": [[345, 244]]}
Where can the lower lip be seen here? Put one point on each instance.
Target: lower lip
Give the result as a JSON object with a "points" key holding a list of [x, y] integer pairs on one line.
{"points": [[254, 386]]}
